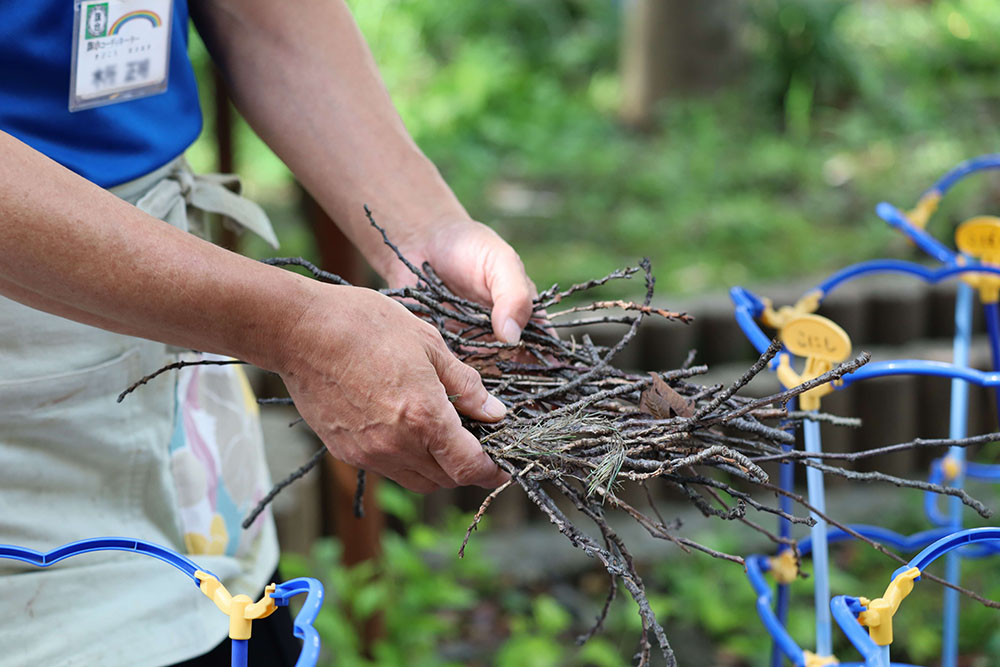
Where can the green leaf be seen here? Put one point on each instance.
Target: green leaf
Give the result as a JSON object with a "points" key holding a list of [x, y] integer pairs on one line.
{"points": [[370, 599], [550, 616], [599, 652], [531, 651], [398, 502]]}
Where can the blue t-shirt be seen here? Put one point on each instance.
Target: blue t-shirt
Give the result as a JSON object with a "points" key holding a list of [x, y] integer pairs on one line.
{"points": [[107, 145]]}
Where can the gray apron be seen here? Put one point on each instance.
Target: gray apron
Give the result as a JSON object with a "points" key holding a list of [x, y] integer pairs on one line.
{"points": [[178, 462]]}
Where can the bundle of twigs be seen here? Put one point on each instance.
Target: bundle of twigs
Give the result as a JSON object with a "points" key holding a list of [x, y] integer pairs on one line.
{"points": [[580, 428]]}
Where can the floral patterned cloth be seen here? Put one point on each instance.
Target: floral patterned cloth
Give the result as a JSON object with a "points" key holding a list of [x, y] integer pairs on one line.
{"points": [[216, 457]]}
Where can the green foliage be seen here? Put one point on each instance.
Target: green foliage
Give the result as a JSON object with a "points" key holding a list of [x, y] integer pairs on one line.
{"points": [[802, 59], [712, 601], [543, 638], [843, 104], [846, 104], [419, 601], [425, 596], [429, 601]]}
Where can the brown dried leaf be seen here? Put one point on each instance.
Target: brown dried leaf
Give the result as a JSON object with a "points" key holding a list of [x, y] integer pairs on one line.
{"points": [[486, 363], [663, 402]]}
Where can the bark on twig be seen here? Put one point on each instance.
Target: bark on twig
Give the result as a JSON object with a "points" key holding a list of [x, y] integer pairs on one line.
{"points": [[578, 427]]}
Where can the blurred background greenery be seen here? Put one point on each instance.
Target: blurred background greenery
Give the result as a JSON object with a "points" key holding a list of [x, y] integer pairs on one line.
{"points": [[433, 609], [773, 173], [836, 106]]}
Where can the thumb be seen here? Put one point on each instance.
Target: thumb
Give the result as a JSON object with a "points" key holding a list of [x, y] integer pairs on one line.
{"points": [[511, 292], [464, 387], [463, 458]]}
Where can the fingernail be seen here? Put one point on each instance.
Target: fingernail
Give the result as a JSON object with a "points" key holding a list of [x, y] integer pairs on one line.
{"points": [[494, 408], [502, 478], [511, 332]]}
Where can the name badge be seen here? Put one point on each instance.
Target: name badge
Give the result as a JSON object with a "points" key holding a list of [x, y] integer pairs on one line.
{"points": [[121, 51]]}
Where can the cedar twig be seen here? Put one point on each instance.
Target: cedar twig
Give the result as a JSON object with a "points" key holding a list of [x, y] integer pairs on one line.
{"points": [[579, 428], [175, 366], [299, 472], [918, 443], [783, 396], [745, 379], [359, 494], [626, 305], [482, 511], [836, 420], [317, 273]]}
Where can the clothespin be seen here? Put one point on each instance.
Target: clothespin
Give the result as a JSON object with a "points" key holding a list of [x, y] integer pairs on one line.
{"points": [[240, 609], [878, 615]]}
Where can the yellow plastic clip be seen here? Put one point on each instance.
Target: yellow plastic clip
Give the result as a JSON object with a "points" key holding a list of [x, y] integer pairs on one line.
{"points": [[240, 609], [813, 660], [951, 467], [924, 209], [784, 567], [979, 237], [878, 616], [823, 343], [777, 319]]}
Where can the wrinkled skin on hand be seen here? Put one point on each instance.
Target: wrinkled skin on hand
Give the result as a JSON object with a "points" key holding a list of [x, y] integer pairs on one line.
{"points": [[476, 264], [373, 380]]}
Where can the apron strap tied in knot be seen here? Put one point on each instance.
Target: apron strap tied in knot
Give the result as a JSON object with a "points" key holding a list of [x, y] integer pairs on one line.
{"points": [[172, 198]]}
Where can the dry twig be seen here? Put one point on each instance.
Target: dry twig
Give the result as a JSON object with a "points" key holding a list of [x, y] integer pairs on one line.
{"points": [[575, 427]]}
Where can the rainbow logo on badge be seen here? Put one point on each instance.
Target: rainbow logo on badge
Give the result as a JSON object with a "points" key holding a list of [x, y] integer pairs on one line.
{"points": [[152, 17]]}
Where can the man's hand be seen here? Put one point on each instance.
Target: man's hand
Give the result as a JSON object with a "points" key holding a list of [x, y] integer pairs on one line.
{"points": [[372, 380], [475, 263], [377, 384], [326, 112], [377, 393]]}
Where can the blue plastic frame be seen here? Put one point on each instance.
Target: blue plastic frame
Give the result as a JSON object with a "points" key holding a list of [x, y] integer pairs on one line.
{"points": [[303, 623], [748, 307], [757, 565], [963, 318], [845, 608]]}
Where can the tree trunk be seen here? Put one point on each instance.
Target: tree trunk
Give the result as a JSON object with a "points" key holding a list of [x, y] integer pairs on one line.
{"points": [[675, 47]]}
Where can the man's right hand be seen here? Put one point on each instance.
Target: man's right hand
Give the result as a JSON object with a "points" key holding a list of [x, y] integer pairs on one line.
{"points": [[370, 378], [380, 388]]}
